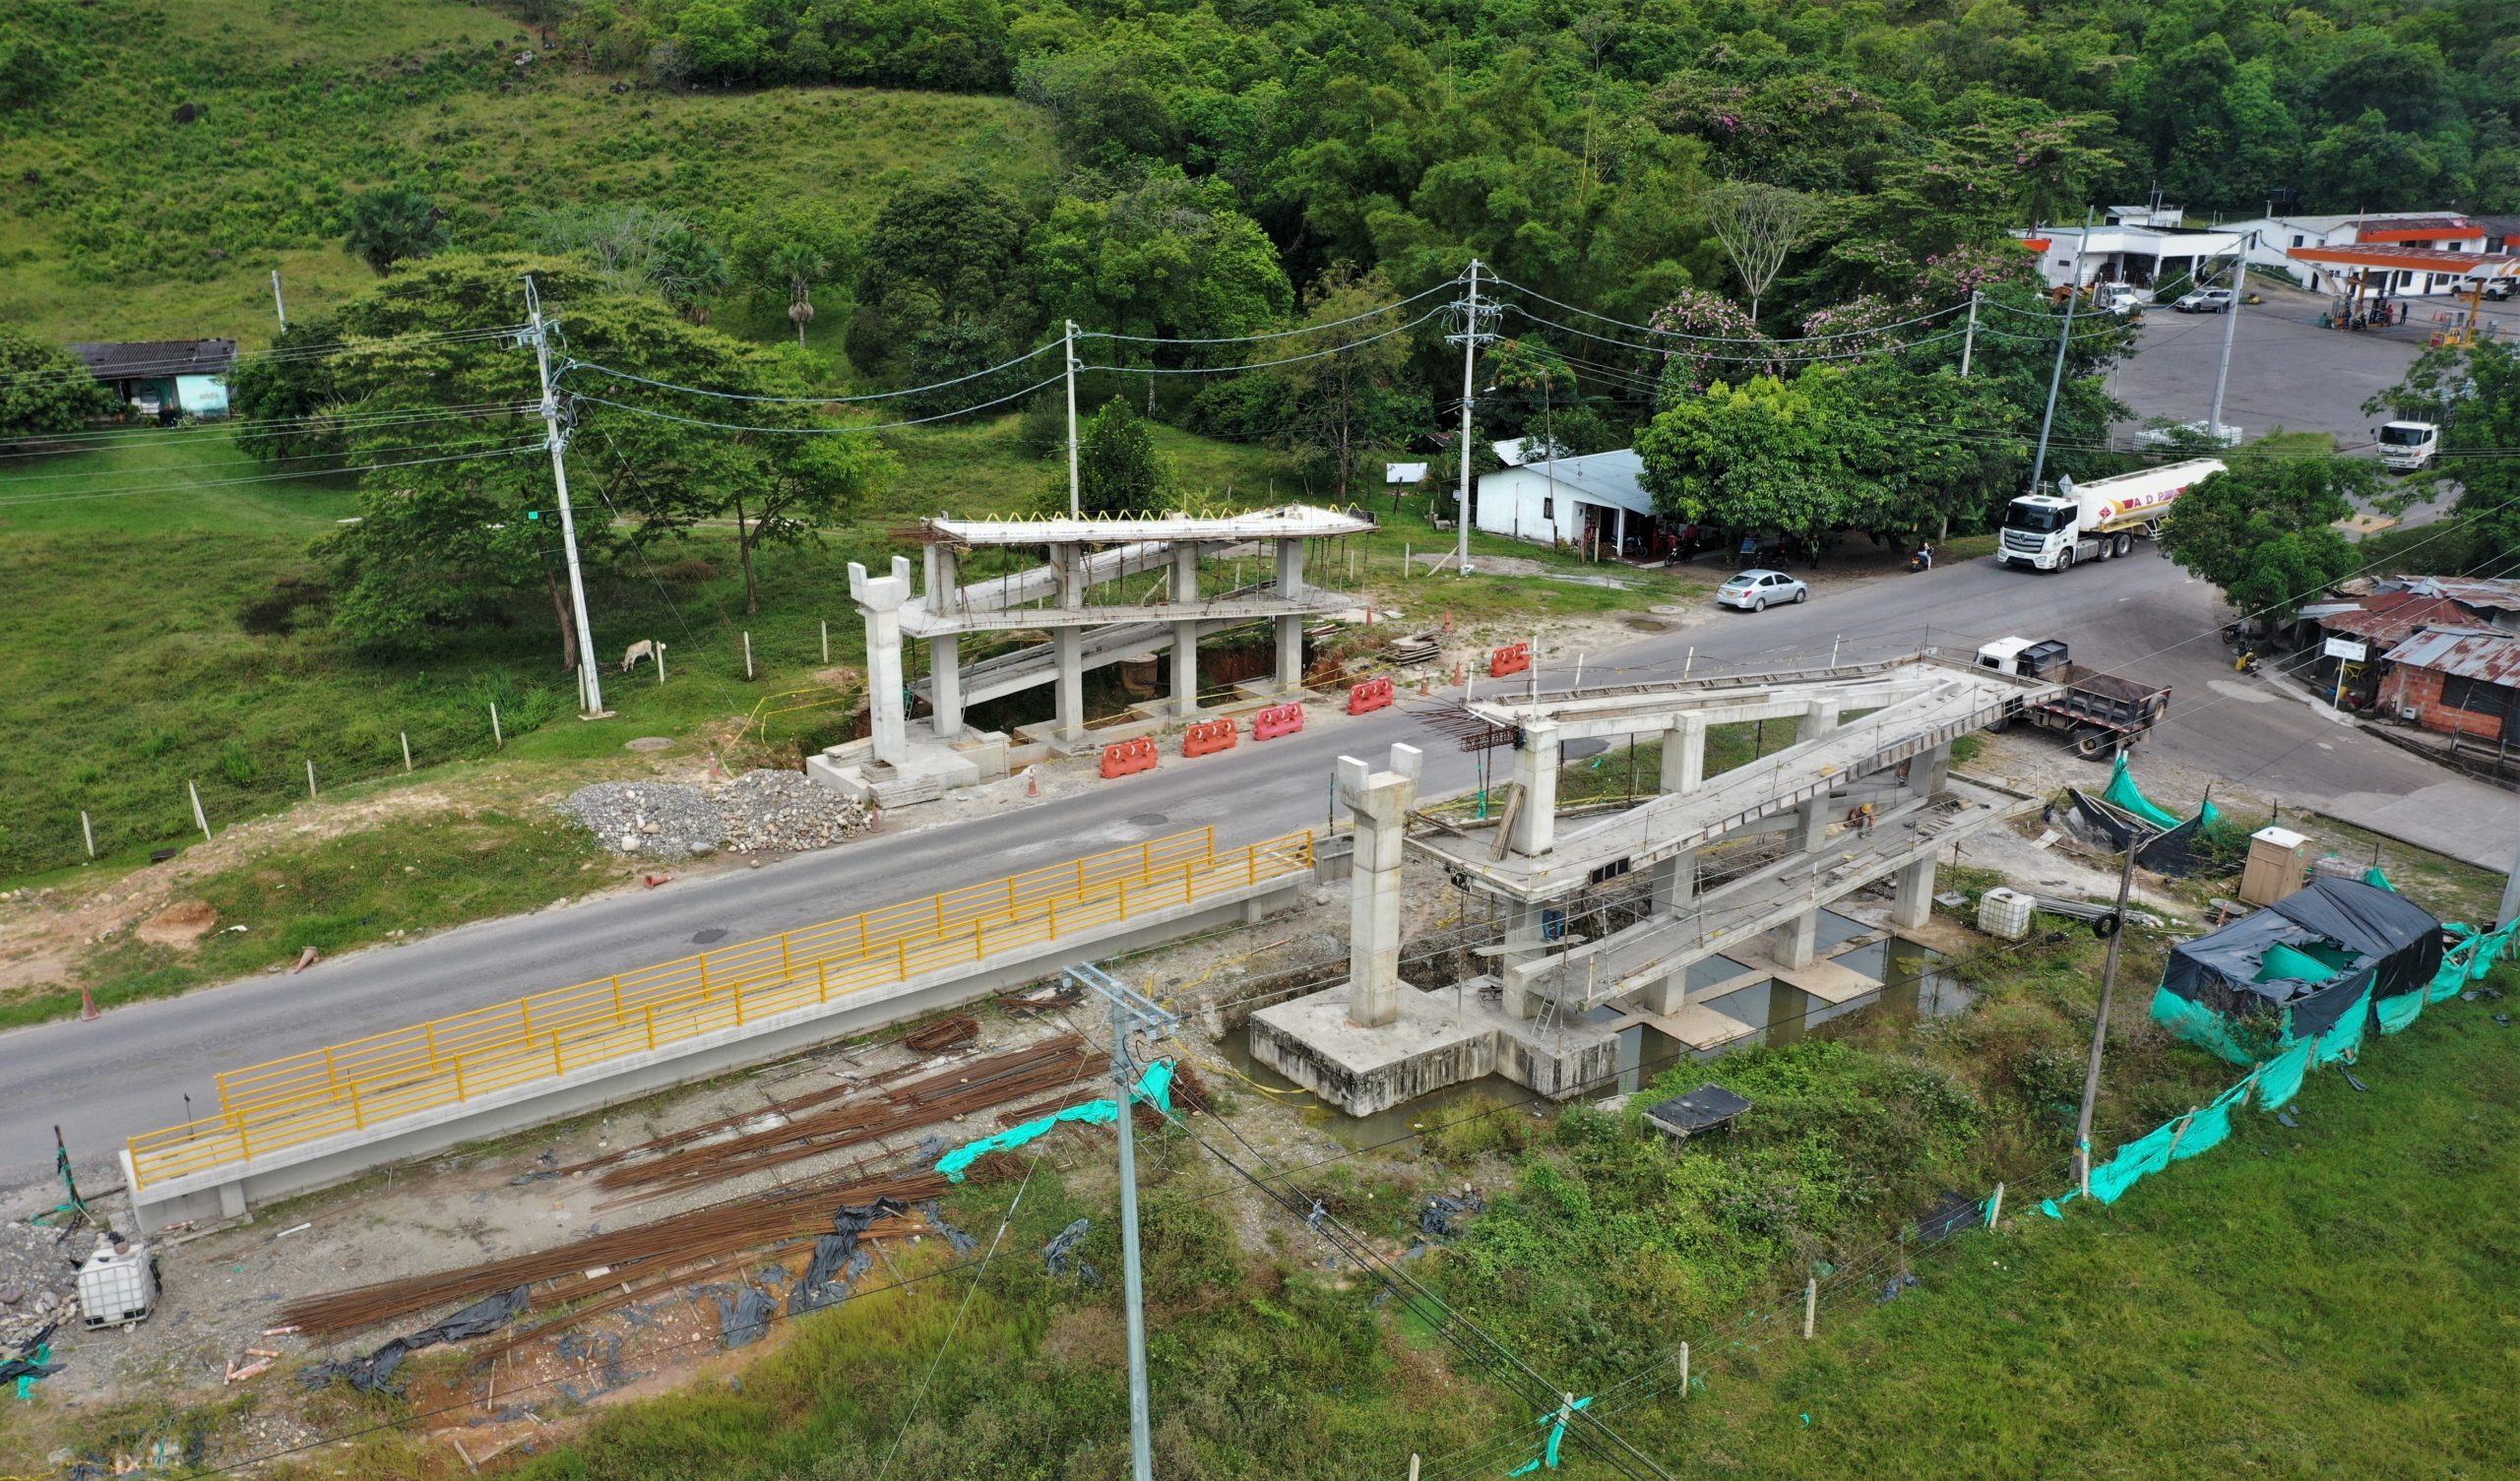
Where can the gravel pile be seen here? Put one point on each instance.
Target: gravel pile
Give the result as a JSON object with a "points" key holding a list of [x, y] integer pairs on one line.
{"points": [[653, 819], [39, 1280], [759, 812], [783, 812]]}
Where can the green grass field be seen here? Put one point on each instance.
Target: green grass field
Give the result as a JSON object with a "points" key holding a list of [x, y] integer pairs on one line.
{"points": [[145, 228]]}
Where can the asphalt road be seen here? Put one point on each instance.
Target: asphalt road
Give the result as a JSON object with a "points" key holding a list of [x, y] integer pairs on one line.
{"points": [[128, 1072]]}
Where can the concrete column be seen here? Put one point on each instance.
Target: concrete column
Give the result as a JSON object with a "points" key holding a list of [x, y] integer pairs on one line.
{"points": [[879, 600], [1819, 720], [1913, 904], [1290, 629], [1676, 883], [1685, 755], [1185, 633], [1798, 940], [945, 684], [1669, 995], [1381, 801], [1535, 772], [1524, 933], [1930, 773], [1068, 645]]}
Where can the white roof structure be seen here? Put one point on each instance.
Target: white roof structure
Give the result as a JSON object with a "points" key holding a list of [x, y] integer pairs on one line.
{"points": [[1404, 472], [1286, 521], [1612, 478]]}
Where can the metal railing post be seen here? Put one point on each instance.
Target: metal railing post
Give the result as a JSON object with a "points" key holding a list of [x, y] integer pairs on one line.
{"points": [[430, 1028], [740, 1002], [616, 1000], [904, 961], [460, 1093], [332, 1078], [358, 1118], [557, 1067], [822, 979], [1054, 920], [652, 1028]]}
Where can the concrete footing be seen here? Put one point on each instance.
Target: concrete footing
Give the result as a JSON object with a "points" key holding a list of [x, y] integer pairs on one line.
{"points": [[1446, 1037]]}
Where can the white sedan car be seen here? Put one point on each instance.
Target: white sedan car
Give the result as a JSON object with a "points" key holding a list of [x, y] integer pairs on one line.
{"points": [[1758, 590]]}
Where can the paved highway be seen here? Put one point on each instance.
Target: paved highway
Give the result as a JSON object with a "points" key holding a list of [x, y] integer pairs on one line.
{"points": [[106, 1081]]}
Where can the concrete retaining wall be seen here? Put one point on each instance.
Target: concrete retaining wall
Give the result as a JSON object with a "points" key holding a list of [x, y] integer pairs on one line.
{"points": [[229, 1191]]}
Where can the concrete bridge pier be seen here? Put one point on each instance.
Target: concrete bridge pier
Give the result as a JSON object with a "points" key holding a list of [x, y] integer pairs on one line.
{"points": [[879, 600], [1535, 830], [1290, 629], [1797, 941], [1185, 634], [1381, 801]]}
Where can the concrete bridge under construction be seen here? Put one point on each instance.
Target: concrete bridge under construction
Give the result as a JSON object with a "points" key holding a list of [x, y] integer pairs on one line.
{"points": [[1863, 793]]}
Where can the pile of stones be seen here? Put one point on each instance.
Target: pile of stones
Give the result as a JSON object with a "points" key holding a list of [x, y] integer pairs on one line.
{"points": [[759, 812]]}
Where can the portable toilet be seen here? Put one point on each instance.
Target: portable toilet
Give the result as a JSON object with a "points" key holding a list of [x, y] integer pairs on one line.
{"points": [[2279, 863]]}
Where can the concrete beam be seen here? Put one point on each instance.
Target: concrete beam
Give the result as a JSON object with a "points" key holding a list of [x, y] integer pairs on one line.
{"points": [[879, 600]]}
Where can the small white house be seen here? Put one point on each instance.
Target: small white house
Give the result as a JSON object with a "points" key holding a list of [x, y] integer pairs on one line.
{"points": [[1572, 501]]}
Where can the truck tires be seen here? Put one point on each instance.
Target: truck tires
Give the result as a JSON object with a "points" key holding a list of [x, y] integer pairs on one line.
{"points": [[2090, 745], [2125, 541]]}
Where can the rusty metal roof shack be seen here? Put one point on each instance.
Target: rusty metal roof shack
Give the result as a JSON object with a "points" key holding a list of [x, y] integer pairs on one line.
{"points": [[2395, 616], [2478, 653]]}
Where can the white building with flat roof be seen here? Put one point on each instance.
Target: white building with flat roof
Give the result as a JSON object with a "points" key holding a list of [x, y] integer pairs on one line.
{"points": [[1571, 501]]}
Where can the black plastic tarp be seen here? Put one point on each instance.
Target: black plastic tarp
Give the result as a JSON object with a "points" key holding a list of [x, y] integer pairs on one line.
{"points": [[837, 1260], [2103, 825], [374, 1373], [2396, 945]]}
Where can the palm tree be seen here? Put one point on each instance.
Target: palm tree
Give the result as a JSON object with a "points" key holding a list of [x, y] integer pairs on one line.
{"points": [[801, 265], [393, 225]]}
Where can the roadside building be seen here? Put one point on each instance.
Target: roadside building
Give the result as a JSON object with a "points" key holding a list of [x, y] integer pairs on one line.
{"points": [[1596, 503], [2353, 635], [2144, 256], [2459, 681], [2394, 253], [165, 379]]}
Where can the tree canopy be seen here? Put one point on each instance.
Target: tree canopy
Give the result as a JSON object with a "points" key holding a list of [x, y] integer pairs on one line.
{"points": [[2265, 531], [45, 389]]}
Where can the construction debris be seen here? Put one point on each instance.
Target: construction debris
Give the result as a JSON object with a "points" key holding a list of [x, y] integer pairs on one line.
{"points": [[759, 812], [936, 1038], [39, 1280], [374, 1373]]}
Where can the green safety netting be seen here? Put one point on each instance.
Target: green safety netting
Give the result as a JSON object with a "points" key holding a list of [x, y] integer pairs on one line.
{"points": [[2277, 1081], [2208, 816], [2374, 877], [2122, 793], [2283, 962], [1556, 1438], [1155, 1087]]}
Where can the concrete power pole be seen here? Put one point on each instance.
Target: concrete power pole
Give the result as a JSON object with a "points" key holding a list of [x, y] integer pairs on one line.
{"points": [[2064, 338], [2510, 910], [2136, 840], [1969, 345], [589, 679], [280, 305], [1132, 1011], [1468, 387], [2231, 327], [1072, 509]]}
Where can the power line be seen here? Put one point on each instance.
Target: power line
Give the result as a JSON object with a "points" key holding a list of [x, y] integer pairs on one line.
{"points": [[1282, 333], [804, 401], [855, 431], [172, 366], [189, 486], [1672, 334]]}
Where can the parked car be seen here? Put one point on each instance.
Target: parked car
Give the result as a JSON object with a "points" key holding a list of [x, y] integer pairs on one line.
{"points": [[2499, 288], [2122, 298], [1758, 590], [2206, 301]]}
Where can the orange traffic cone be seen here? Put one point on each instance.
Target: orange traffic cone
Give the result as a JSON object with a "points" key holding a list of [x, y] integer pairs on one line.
{"points": [[87, 1005], [1032, 782]]}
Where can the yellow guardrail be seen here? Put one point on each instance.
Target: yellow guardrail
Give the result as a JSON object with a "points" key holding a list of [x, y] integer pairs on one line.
{"points": [[371, 1081]]}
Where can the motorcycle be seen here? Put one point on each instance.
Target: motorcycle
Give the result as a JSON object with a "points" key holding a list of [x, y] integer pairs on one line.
{"points": [[1921, 561], [2246, 662]]}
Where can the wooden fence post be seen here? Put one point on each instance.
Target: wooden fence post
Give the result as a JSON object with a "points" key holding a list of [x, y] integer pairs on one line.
{"points": [[407, 751], [1810, 1305], [497, 737]]}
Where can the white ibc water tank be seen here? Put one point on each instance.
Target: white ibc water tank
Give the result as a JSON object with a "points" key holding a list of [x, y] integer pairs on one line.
{"points": [[2004, 913], [116, 1285]]}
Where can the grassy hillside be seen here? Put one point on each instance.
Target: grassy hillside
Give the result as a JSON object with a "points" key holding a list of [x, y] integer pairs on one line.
{"points": [[123, 223]]}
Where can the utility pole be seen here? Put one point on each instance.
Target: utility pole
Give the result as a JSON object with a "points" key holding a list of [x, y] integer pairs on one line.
{"points": [[2510, 910], [2065, 337], [2230, 326], [590, 680], [1468, 387], [1968, 343], [1131, 1012], [278, 305], [1073, 509], [2136, 838]]}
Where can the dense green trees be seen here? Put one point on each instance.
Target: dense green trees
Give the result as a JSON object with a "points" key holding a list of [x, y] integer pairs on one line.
{"points": [[45, 389], [457, 525], [2265, 531], [1117, 469], [2474, 395]]}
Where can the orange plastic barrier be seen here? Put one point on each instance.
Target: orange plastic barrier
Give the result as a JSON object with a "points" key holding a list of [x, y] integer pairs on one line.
{"points": [[1277, 721], [1512, 658], [1371, 695], [1207, 737], [1127, 758]]}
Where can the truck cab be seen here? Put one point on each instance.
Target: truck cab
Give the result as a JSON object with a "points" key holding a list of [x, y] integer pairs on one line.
{"points": [[2097, 520], [2027, 657], [2409, 447]]}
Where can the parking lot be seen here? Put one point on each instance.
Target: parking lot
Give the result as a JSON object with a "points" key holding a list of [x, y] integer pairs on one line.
{"points": [[2287, 371]]}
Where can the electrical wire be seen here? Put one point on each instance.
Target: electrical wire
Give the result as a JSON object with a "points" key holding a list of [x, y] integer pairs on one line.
{"points": [[1282, 333], [857, 431], [802, 401], [1672, 334], [1397, 329], [173, 365]]}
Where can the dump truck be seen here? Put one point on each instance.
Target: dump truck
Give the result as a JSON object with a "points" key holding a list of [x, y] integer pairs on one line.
{"points": [[2096, 520], [2100, 713]]}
